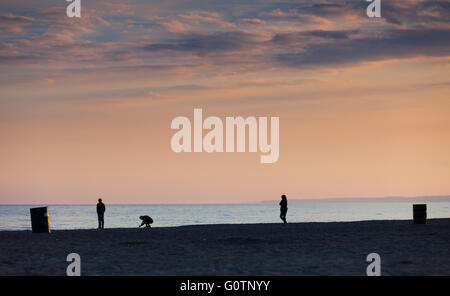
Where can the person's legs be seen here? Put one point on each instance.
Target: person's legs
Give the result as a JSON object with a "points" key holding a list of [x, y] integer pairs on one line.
{"points": [[283, 217], [101, 221]]}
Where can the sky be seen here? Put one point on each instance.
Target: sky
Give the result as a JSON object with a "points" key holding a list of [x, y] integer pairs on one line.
{"points": [[86, 103]]}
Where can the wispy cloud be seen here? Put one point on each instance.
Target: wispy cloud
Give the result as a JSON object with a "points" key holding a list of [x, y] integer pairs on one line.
{"points": [[14, 23], [214, 39]]}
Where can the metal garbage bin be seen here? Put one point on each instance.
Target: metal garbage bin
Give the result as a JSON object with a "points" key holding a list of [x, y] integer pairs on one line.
{"points": [[39, 220], [420, 214]]}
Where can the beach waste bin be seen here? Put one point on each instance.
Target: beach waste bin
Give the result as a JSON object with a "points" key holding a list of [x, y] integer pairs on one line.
{"points": [[39, 220], [420, 214]]}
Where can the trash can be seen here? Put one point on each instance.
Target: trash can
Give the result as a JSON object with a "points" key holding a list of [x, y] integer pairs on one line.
{"points": [[420, 214], [39, 220]]}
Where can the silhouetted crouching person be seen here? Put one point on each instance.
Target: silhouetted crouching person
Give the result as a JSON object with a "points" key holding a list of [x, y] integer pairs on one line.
{"points": [[283, 208], [146, 220], [101, 214]]}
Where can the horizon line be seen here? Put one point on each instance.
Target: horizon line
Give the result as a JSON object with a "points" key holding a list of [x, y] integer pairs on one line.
{"points": [[293, 199]]}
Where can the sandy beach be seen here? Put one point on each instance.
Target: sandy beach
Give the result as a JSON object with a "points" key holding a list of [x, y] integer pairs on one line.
{"points": [[236, 249]]}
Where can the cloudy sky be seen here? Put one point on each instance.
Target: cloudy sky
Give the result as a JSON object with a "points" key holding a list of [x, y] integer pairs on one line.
{"points": [[86, 103]]}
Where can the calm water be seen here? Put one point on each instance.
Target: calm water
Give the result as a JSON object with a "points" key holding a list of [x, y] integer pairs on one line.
{"points": [[17, 217]]}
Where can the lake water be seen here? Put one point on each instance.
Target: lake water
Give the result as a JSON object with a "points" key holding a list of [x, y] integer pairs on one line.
{"points": [[17, 217]]}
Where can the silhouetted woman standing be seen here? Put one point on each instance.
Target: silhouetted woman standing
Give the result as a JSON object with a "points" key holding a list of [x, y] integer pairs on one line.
{"points": [[283, 208]]}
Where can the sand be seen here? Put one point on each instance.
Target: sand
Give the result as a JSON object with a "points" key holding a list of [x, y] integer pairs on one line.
{"points": [[235, 249]]}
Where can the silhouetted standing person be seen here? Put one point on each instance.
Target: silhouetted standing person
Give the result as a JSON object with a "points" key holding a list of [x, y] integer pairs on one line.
{"points": [[283, 208], [101, 214]]}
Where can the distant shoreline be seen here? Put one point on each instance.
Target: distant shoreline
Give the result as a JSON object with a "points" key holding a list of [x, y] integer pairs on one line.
{"points": [[416, 199], [422, 199]]}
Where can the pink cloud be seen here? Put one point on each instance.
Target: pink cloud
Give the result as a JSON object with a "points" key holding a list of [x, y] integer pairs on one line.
{"points": [[14, 23]]}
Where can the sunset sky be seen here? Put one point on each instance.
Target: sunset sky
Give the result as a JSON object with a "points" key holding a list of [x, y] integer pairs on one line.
{"points": [[86, 103]]}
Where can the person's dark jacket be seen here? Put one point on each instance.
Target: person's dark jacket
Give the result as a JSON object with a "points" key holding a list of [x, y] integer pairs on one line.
{"points": [[283, 205], [147, 219], [100, 208]]}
